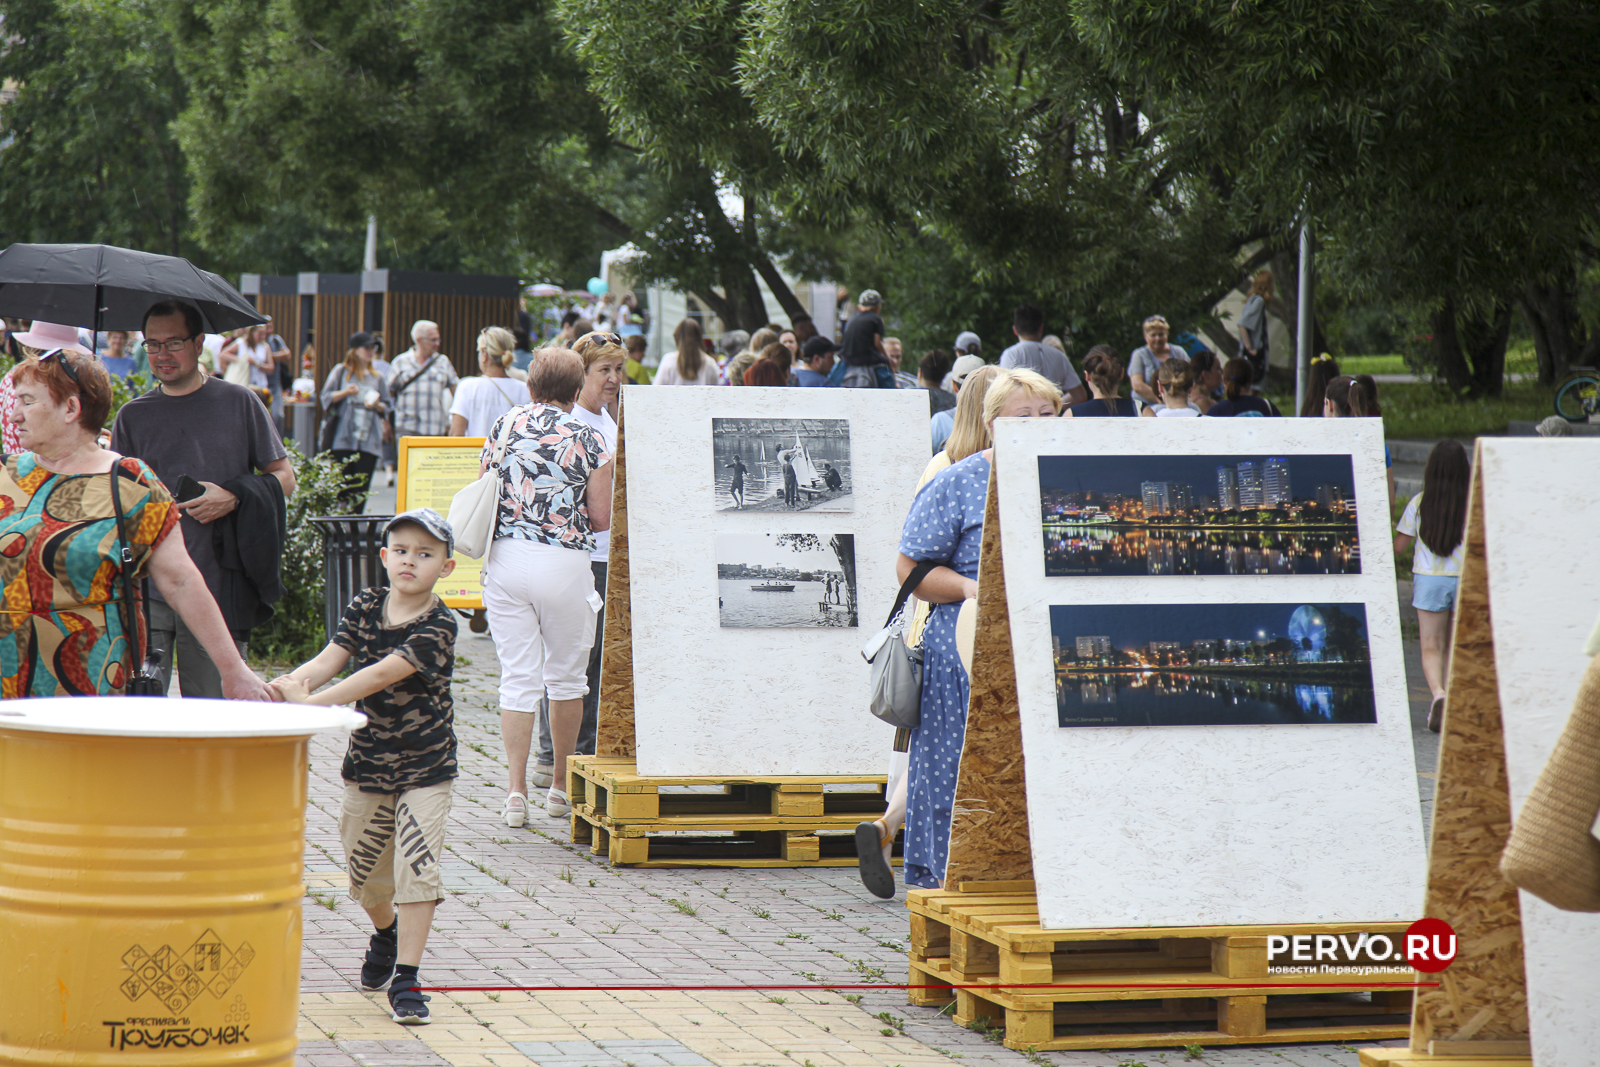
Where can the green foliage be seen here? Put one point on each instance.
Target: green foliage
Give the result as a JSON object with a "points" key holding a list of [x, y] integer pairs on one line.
{"points": [[85, 147], [436, 116], [124, 390], [296, 631]]}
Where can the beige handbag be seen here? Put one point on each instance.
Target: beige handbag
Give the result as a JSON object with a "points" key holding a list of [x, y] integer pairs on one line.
{"points": [[1553, 852]]}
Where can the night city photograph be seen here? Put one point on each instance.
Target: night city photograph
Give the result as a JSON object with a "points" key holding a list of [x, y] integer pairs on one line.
{"points": [[1211, 664], [1128, 515]]}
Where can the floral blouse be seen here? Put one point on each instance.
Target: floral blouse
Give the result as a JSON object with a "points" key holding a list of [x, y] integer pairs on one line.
{"points": [[550, 457], [61, 629]]}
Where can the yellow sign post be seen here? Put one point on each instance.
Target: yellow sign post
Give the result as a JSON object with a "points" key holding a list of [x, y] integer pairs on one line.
{"points": [[432, 471]]}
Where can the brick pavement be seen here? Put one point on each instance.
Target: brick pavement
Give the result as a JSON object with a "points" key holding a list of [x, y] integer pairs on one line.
{"points": [[528, 908]]}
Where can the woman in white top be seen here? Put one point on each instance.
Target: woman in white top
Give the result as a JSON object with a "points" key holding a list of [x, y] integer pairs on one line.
{"points": [[693, 365], [1175, 378], [603, 359], [1144, 366], [1436, 519], [252, 349], [480, 400]]}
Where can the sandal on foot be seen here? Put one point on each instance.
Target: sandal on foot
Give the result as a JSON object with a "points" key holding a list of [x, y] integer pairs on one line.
{"points": [[378, 965], [544, 775], [407, 1004], [876, 874], [1436, 713], [556, 804], [515, 812]]}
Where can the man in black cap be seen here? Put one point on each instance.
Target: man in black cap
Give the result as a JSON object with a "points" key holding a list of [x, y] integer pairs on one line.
{"points": [[816, 360]]}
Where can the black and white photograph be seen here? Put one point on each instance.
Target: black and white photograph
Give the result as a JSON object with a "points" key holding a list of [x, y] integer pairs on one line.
{"points": [[782, 464], [1213, 515], [786, 579], [1211, 664]]}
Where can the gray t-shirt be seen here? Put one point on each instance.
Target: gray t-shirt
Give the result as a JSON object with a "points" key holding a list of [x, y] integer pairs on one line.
{"points": [[1034, 356], [215, 434], [1143, 361]]}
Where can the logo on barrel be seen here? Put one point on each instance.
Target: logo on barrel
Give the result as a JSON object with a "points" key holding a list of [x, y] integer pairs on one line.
{"points": [[177, 979]]}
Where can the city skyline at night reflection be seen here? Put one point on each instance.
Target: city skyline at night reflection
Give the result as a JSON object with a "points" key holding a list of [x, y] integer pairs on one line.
{"points": [[1213, 515], [1211, 665]]}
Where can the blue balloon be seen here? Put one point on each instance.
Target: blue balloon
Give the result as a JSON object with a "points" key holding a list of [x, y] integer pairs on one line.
{"points": [[598, 286]]}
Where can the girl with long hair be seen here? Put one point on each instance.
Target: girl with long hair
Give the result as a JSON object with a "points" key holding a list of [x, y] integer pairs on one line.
{"points": [[1102, 369], [1356, 396], [692, 366], [1320, 371], [1436, 521], [1253, 324]]}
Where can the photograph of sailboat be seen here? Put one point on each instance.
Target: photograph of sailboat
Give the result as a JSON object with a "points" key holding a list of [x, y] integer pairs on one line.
{"points": [[782, 464]]}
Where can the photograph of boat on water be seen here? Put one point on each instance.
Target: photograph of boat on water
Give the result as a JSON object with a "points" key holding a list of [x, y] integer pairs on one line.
{"points": [[1212, 664], [1222, 515], [786, 579], [782, 464]]}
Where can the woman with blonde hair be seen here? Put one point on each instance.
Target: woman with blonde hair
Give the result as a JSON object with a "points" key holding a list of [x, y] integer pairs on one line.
{"points": [[969, 436], [941, 540], [693, 366], [1253, 324], [353, 395], [484, 397]]}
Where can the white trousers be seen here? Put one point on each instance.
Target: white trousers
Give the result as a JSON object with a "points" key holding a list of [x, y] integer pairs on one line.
{"points": [[541, 605]]}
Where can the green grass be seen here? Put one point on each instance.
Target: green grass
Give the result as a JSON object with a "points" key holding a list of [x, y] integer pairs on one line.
{"points": [[1421, 411], [1424, 412], [1519, 360]]}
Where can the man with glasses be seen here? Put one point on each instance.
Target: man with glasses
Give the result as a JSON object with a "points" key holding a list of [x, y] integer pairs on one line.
{"points": [[422, 385], [218, 434]]}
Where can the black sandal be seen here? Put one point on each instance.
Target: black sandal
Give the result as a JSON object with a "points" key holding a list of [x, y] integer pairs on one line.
{"points": [[407, 1004], [876, 874]]}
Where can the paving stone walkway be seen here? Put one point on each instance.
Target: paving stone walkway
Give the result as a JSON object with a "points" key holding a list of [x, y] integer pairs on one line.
{"points": [[526, 907]]}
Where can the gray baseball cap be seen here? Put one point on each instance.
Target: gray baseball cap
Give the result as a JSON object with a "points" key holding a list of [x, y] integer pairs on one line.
{"points": [[430, 520], [869, 298], [965, 340]]}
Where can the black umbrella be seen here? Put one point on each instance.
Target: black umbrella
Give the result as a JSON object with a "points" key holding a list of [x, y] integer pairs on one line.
{"points": [[103, 287]]}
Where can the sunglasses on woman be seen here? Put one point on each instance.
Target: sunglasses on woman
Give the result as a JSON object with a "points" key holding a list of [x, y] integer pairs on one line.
{"points": [[60, 356]]}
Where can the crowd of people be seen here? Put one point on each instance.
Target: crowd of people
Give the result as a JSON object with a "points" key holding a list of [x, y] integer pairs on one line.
{"points": [[201, 453]]}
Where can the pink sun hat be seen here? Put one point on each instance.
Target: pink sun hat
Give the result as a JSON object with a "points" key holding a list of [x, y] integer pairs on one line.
{"points": [[46, 336]]}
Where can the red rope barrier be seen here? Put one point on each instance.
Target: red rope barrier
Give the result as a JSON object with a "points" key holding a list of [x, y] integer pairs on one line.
{"points": [[1240, 984]]}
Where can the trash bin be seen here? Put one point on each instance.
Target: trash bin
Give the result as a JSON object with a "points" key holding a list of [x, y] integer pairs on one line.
{"points": [[151, 875], [300, 425], [350, 561]]}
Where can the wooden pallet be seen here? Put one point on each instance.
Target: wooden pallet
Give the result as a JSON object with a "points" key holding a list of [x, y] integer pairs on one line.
{"points": [[1513, 1053], [777, 821], [1148, 986]]}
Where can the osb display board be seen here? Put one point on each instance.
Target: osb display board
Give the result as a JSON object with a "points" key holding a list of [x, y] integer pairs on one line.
{"points": [[614, 732], [1482, 996], [989, 820]]}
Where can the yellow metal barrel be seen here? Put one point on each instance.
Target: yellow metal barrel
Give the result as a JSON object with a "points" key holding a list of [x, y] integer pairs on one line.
{"points": [[151, 877]]}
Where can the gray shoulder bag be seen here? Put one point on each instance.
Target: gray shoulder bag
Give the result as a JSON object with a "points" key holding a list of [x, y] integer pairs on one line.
{"points": [[896, 666]]}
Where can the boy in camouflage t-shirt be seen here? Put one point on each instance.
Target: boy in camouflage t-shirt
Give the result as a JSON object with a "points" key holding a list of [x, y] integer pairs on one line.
{"points": [[399, 768]]}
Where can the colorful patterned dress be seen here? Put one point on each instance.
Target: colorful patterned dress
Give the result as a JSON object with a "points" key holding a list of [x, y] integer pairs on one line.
{"points": [[61, 631]]}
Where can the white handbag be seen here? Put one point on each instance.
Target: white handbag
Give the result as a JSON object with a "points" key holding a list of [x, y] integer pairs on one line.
{"points": [[474, 508]]}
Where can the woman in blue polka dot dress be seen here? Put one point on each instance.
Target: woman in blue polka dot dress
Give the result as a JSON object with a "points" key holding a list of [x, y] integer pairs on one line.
{"points": [[946, 524]]}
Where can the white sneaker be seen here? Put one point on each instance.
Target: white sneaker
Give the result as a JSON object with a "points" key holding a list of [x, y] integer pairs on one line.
{"points": [[556, 804], [544, 775], [515, 812]]}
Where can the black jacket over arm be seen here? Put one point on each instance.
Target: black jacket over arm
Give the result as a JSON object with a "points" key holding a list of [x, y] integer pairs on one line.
{"points": [[250, 545]]}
